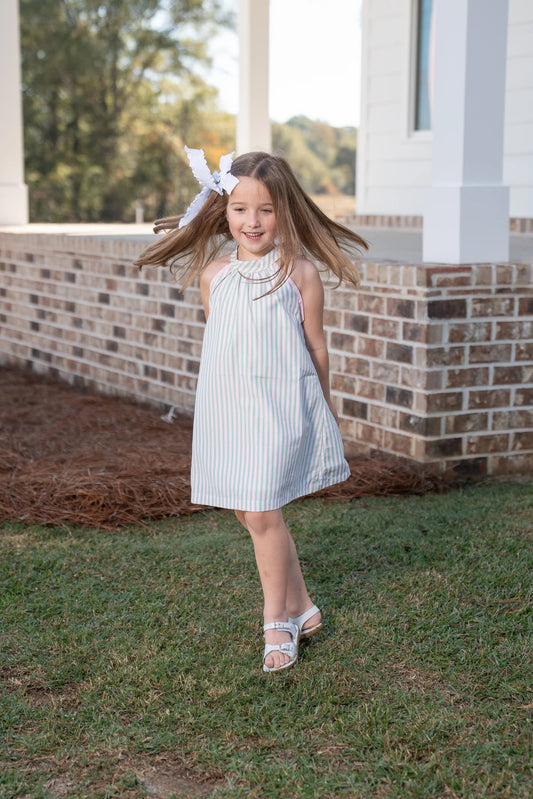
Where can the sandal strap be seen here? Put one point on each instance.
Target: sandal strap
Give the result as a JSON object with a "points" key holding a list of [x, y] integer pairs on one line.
{"points": [[285, 626], [305, 616], [288, 648]]}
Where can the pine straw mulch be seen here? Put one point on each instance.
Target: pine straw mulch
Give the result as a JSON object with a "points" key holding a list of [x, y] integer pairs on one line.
{"points": [[68, 456]]}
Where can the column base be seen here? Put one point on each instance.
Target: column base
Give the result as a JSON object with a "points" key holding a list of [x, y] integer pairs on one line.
{"points": [[13, 204], [466, 224]]}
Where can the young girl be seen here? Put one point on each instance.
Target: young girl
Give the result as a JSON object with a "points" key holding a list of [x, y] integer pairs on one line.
{"points": [[265, 427]]}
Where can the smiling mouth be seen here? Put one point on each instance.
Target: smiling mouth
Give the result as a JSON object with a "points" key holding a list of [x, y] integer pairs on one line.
{"points": [[253, 235]]}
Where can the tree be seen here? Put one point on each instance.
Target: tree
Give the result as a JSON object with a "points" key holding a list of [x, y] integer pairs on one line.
{"points": [[90, 68], [323, 157]]}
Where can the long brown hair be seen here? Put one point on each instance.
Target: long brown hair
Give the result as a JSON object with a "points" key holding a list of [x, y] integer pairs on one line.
{"points": [[302, 229]]}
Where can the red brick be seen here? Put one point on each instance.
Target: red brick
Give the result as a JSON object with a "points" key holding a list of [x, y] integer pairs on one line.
{"points": [[524, 351], [342, 341], [399, 396], [447, 309], [386, 372], [491, 398], [516, 331], [373, 304], [466, 423], [452, 280], [343, 384], [516, 375], [525, 306], [383, 416], [357, 366], [357, 322], [490, 353], [515, 463], [357, 410], [460, 333], [487, 443], [386, 328], [370, 347], [368, 434], [402, 353], [434, 274], [370, 390], [445, 356], [513, 420], [194, 332], [347, 429], [434, 380], [415, 332], [523, 440], [445, 447], [465, 378], [524, 275], [420, 425], [523, 396], [483, 275], [396, 442], [493, 306], [469, 467], [445, 401], [332, 318], [402, 308]]}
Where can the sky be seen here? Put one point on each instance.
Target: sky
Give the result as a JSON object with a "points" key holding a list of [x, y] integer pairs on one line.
{"points": [[322, 41]]}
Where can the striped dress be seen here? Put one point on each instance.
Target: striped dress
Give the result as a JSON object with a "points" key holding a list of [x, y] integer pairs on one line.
{"points": [[263, 433]]}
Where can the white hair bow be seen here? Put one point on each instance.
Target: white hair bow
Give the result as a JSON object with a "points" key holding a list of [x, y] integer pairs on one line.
{"points": [[217, 181]]}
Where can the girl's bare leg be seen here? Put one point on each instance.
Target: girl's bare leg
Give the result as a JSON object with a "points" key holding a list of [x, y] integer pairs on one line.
{"points": [[270, 538], [298, 599], [281, 577]]}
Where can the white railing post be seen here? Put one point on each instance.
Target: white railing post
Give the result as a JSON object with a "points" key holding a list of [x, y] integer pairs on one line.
{"points": [[253, 120], [13, 191], [466, 216]]}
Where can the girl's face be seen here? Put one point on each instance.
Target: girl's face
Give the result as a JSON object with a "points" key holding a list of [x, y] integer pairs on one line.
{"points": [[251, 218]]}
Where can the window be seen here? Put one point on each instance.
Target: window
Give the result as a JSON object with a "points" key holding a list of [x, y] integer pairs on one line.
{"points": [[422, 108]]}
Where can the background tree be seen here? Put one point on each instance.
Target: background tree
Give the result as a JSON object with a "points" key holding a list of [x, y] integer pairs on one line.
{"points": [[322, 156], [92, 70]]}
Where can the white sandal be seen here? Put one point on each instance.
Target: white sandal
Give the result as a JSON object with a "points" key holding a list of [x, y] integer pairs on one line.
{"points": [[302, 618], [289, 648]]}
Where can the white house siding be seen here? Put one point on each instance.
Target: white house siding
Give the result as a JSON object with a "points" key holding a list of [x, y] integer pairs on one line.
{"points": [[518, 141], [394, 162]]}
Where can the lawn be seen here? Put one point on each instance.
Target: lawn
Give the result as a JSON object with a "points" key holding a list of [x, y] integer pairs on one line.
{"points": [[131, 660]]}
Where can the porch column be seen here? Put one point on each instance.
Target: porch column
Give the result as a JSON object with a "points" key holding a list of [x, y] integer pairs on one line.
{"points": [[466, 216], [253, 120], [13, 191]]}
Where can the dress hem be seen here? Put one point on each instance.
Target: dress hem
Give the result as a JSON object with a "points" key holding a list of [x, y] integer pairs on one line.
{"points": [[259, 507]]}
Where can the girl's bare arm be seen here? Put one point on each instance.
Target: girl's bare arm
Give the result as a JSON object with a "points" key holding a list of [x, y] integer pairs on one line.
{"points": [[206, 276], [308, 280]]}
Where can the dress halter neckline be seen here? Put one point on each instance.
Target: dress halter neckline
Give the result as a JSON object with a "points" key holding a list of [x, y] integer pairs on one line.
{"points": [[268, 258]]}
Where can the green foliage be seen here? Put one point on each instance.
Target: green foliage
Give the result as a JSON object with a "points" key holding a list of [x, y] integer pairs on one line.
{"points": [[130, 651], [323, 157], [110, 97], [98, 100]]}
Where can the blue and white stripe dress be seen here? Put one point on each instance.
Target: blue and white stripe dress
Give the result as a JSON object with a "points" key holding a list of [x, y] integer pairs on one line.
{"points": [[263, 433]]}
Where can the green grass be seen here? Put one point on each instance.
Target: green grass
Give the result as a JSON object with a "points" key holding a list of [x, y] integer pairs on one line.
{"points": [[141, 650]]}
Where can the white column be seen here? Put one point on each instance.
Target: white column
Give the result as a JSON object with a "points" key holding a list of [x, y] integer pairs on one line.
{"points": [[466, 216], [13, 191], [253, 120]]}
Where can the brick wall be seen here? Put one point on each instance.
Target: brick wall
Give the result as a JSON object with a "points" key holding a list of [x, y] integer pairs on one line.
{"points": [[434, 363], [415, 222]]}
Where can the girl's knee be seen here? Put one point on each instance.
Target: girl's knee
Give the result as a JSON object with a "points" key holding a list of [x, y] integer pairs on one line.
{"points": [[261, 521], [240, 516]]}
